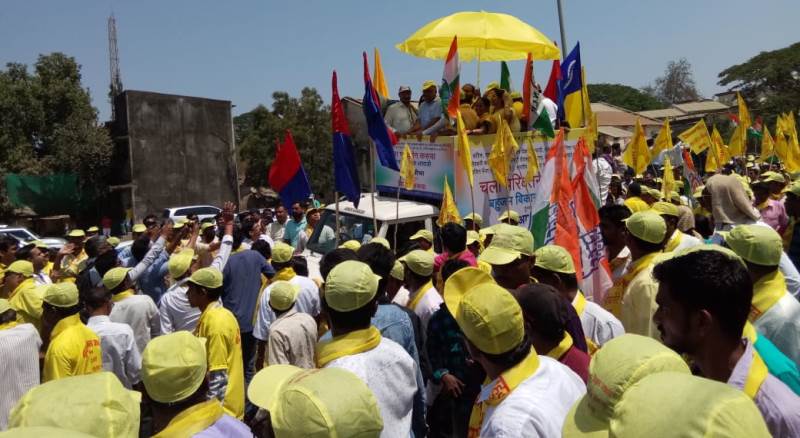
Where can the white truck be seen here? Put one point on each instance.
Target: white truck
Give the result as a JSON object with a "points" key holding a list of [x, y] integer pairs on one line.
{"points": [[357, 224]]}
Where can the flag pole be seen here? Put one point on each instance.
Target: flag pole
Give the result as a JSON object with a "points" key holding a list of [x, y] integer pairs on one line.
{"points": [[336, 195], [372, 187], [397, 213]]}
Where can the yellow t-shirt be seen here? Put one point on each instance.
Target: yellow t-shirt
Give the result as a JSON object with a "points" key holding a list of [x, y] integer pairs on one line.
{"points": [[27, 301], [74, 350], [224, 349]]}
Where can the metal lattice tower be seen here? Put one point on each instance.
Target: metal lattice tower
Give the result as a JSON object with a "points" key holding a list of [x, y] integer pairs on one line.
{"points": [[113, 62]]}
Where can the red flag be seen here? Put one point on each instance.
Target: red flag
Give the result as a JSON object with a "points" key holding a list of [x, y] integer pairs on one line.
{"points": [[527, 83], [551, 91]]}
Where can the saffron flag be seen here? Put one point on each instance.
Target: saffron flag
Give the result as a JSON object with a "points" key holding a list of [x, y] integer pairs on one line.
{"points": [[527, 92], [533, 164], [594, 267], [663, 141], [463, 148], [505, 77], [504, 149], [448, 212], [551, 90], [380, 79], [383, 137], [636, 154], [570, 87], [345, 171], [696, 137], [450, 92], [286, 174], [407, 169], [767, 146], [691, 173], [668, 178]]}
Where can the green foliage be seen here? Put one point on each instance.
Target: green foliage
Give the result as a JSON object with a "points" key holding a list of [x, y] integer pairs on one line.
{"points": [[308, 119], [677, 85], [48, 124], [623, 96], [769, 82]]}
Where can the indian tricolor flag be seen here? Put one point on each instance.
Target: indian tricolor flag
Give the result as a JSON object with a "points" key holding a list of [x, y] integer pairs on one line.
{"points": [[450, 92]]}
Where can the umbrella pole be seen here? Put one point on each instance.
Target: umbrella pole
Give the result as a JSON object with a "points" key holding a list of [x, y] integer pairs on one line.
{"points": [[479, 69]]}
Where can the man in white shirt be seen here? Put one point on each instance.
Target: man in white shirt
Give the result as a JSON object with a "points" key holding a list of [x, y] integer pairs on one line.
{"points": [[19, 348], [117, 344], [545, 103], [400, 116], [527, 394], [276, 229], [676, 240], [604, 170], [38, 256], [424, 300], [138, 311]]}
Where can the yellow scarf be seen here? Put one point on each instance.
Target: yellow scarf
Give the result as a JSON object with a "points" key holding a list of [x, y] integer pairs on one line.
{"points": [[762, 205], [755, 376], [352, 343], [503, 386], [674, 241], [9, 325], [284, 274], [613, 301], [420, 293], [193, 420], [766, 292], [561, 348], [122, 295]]}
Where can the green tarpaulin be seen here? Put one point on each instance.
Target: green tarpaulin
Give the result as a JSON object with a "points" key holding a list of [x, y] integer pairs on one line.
{"points": [[46, 195]]}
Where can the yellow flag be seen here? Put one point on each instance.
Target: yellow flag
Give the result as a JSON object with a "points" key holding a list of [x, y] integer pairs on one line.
{"points": [[637, 155], [668, 179], [744, 114], [696, 137], [767, 145], [407, 169], [504, 149], [378, 78], [792, 143], [663, 141], [590, 121], [448, 212], [715, 157], [781, 145], [738, 140], [533, 163], [463, 148]]}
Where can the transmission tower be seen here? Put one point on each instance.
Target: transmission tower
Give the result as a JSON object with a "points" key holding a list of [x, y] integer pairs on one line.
{"points": [[113, 63]]}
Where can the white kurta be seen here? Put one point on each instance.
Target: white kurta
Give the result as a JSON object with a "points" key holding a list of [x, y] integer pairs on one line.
{"points": [[781, 325]]}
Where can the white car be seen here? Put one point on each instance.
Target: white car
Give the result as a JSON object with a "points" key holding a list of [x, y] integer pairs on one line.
{"points": [[25, 236], [202, 212]]}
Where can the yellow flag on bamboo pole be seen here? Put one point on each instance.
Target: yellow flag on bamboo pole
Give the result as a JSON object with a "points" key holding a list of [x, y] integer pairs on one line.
{"points": [[663, 141], [715, 156], [744, 114], [590, 121], [668, 178], [533, 163], [463, 148], [407, 169], [378, 78], [637, 155], [767, 145], [448, 212], [792, 144], [738, 140], [696, 137], [504, 149]]}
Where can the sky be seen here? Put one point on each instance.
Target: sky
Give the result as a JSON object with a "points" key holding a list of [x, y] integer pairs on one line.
{"points": [[245, 50]]}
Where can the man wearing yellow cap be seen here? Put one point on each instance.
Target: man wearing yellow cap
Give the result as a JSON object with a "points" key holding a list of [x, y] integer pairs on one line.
{"points": [[553, 265], [776, 182], [424, 239], [704, 298], [423, 298], [137, 310], [23, 294], [634, 200], [511, 255], [430, 119], [69, 260], [676, 240], [357, 346], [509, 217], [632, 298], [473, 222], [293, 334], [773, 312], [19, 348], [395, 291], [120, 354], [174, 368], [773, 212], [74, 349], [223, 340], [37, 254], [527, 394]]}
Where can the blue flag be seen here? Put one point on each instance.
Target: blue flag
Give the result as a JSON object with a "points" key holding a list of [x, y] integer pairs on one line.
{"points": [[345, 171], [570, 79], [376, 127]]}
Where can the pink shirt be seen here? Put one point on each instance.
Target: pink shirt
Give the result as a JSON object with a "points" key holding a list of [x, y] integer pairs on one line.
{"points": [[774, 215], [465, 255]]}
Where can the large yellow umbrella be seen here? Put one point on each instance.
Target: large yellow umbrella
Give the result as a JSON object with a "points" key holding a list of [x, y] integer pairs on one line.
{"points": [[485, 36]]}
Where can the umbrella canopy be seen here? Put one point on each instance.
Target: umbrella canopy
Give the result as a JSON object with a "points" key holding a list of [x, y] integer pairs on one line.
{"points": [[485, 36]]}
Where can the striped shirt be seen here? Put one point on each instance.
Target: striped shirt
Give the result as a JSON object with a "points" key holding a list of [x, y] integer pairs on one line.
{"points": [[19, 348]]}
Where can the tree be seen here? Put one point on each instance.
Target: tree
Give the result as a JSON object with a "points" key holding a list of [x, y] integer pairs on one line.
{"points": [[769, 81], [48, 124], [677, 85], [623, 96], [308, 119]]}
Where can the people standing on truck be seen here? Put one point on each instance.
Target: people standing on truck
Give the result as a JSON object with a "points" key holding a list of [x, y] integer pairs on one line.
{"points": [[486, 123], [401, 116], [431, 118]]}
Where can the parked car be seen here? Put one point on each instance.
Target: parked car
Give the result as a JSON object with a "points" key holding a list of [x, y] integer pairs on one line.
{"points": [[24, 236], [202, 212]]}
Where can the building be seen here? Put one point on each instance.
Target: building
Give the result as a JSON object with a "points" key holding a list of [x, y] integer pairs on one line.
{"points": [[616, 125]]}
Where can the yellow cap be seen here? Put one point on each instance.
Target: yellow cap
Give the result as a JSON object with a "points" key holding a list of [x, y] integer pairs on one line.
{"points": [[113, 241], [316, 403], [206, 225], [474, 217], [173, 366], [647, 225], [398, 271], [698, 192], [282, 252], [351, 244], [472, 237], [509, 214], [757, 244], [41, 245], [516, 95], [554, 258], [621, 362], [709, 247], [22, 267], [282, 295], [61, 294], [749, 165], [420, 262], [483, 232], [42, 431], [209, 278], [666, 209], [653, 192], [96, 404], [76, 233], [422, 234], [93, 229], [771, 176], [381, 241], [678, 184], [5, 306], [489, 315], [114, 277], [350, 285], [179, 263], [682, 405], [793, 188], [139, 228], [428, 84], [492, 85], [508, 244]]}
